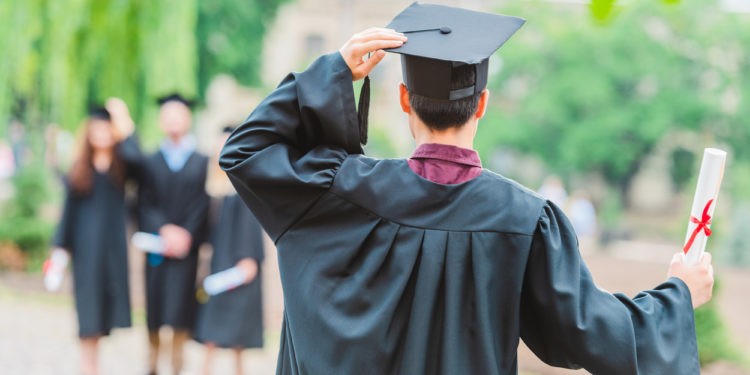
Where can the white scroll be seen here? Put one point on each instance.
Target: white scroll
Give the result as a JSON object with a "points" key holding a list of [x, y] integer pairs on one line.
{"points": [[704, 203], [150, 243], [225, 280], [54, 269]]}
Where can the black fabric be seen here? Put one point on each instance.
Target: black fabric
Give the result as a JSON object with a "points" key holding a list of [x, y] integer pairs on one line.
{"points": [[99, 112], [92, 229], [363, 110], [234, 318], [385, 272], [442, 37], [419, 76], [167, 197], [176, 97]]}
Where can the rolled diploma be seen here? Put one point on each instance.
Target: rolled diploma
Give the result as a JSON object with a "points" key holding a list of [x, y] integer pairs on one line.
{"points": [[709, 182], [148, 242], [54, 269], [225, 280]]}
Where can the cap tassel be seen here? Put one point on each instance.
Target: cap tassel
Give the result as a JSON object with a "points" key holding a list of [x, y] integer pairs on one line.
{"points": [[363, 110]]}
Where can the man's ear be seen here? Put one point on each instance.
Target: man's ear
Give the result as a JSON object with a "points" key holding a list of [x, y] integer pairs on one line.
{"points": [[403, 96], [484, 99]]}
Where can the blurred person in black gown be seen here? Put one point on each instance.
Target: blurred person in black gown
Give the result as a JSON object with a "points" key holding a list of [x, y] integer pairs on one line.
{"points": [[173, 204], [232, 319], [92, 226]]}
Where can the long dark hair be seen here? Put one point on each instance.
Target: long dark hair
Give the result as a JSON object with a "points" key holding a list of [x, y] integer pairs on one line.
{"points": [[81, 175]]}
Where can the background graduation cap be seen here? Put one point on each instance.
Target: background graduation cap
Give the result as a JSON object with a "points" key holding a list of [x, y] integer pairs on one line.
{"points": [[177, 98], [98, 112]]}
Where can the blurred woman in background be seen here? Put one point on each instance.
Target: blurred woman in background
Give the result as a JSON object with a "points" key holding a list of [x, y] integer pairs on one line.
{"points": [[92, 226], [232, 319]]}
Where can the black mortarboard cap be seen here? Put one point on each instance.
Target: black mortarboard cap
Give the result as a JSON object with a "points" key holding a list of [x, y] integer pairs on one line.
{"points": [[177, 98], [441, 38], [98, 112]]}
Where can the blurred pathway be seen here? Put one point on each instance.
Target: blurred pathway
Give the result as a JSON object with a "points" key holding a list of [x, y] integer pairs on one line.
{"points": [[38, 337]]}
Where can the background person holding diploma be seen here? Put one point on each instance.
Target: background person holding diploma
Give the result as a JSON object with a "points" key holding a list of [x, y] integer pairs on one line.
{"points": [[92, 226], [432, 265], [173, 204], [232, 319]]}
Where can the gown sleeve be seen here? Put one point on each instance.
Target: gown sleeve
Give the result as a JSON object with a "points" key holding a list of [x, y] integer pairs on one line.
{"points": [[251, 236], [568, 322], [63, 233], [285, 155], [130, 152]]}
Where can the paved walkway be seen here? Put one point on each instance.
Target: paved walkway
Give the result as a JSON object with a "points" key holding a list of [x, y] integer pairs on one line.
{"points": [[38, 337]]}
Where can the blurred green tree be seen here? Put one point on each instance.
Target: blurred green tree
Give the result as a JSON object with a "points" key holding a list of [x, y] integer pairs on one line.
{"points": [[587, 97], [230, 38], [64, 55], [61, 56]]}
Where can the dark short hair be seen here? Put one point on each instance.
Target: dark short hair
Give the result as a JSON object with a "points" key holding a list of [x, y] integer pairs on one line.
{"points": [[440, 114]]}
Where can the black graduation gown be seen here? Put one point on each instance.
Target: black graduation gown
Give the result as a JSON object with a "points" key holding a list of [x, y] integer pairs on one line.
{"points": [[385, 272], [234, 319], [92, 228], [167, 197]]}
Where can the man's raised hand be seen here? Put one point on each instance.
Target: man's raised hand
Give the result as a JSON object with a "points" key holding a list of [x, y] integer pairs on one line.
{"points": [[372, 40]]}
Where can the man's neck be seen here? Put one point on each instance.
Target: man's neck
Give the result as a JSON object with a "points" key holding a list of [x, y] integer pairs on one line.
{"points": [[455, 136]]}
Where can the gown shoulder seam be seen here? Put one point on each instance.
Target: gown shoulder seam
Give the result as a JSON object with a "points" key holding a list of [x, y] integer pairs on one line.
{"points": [[304, 213], [422, 227]]}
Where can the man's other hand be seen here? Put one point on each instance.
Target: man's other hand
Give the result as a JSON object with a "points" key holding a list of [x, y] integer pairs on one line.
{"points": [[699, 277]]}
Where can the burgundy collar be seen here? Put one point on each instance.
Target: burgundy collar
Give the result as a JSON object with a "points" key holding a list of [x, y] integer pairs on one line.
{"points": [[448, 153]]}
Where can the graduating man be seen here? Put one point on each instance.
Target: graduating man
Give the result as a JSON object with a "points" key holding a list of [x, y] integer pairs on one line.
{"points": [[173, 203], [432, 265]]}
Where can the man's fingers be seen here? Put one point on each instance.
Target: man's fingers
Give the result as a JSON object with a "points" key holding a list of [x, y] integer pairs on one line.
{"points": [[374, 45], [372, 40], [359, 40], [368, 65], [676, 258], [381, 34], [706, 259]]}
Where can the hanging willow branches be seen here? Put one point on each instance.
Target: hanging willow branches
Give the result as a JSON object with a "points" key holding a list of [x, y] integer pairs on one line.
{"points": [[60, 56]]}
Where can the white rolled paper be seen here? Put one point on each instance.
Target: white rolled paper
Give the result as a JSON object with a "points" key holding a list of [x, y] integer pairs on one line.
{"points": [[150, 243], [225, 280], [54, 269], [704, 203]]}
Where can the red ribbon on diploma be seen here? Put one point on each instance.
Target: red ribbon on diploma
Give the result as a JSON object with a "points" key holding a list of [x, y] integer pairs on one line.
{"points": [[703, 224]]}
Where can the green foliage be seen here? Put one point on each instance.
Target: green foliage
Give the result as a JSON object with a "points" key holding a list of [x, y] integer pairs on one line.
{"points": [[714, 342], [60, 56], [682, 167], [230, 38], [586, 97], [379, 143], [20, 222], [63, 55], [602, 10]]}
